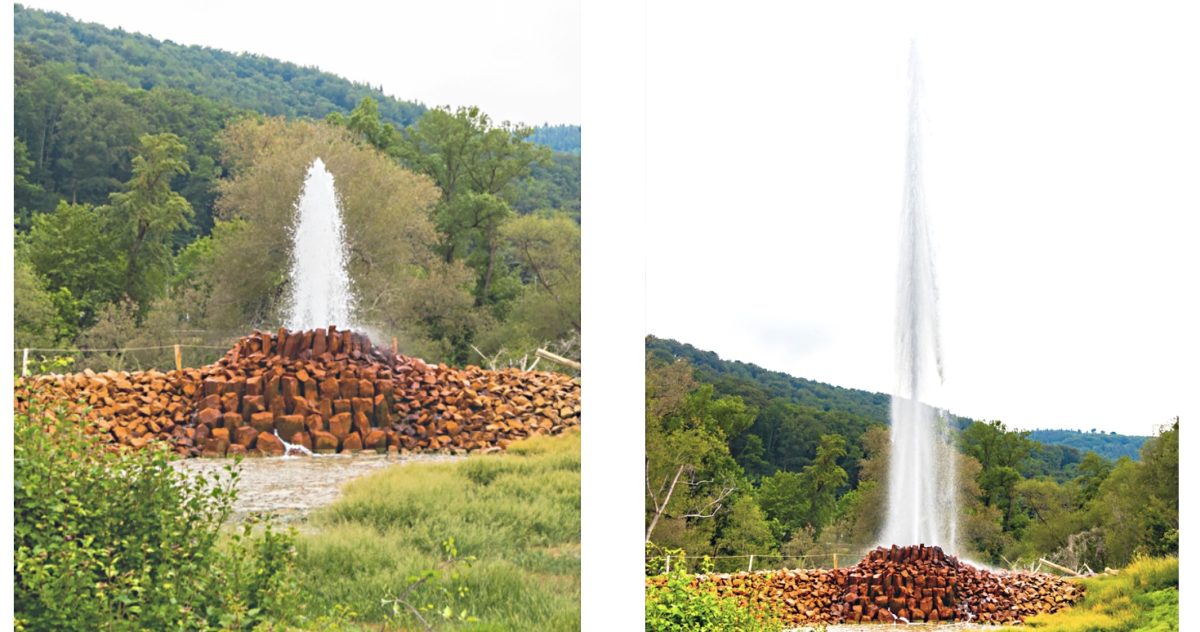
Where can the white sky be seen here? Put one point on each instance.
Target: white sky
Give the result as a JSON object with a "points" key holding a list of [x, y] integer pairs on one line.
{"points": [[1062, 162], [518, 61]]}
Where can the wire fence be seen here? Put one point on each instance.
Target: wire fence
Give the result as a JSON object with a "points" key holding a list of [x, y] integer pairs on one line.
{"points": [[44, 360], [750, 562]]}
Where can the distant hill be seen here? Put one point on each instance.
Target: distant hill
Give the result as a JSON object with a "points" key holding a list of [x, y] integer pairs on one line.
{"points": [[246, 81], [1110, 446], [564, 138], [758, 386]]}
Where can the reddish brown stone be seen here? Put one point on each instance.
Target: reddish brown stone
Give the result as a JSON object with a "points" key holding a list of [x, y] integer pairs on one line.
{"points": [[376, 440], [324, 442], [289, 425], [352, 443], [245, 436], [314, 423], [339, 425], [263, 422], [209, 416], [269, 444]]}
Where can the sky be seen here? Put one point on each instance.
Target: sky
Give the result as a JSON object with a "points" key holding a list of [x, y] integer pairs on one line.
{"points": [[518, 61], [1062, 154]]}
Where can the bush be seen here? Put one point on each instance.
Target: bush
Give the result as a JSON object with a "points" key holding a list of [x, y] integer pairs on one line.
{"points": [[119, 540], [677, 606]]}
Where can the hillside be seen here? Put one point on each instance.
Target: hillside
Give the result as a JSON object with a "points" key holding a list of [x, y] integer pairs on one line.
{"points": [[758, 386], [1110, 446], [245, 81]]}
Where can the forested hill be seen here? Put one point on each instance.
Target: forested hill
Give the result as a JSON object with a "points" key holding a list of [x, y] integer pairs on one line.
{"points": [[564, 138], [757, 386], [251, 82], [733, 377], [1110, 446]]}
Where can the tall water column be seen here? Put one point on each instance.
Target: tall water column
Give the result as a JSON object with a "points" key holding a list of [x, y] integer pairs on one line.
{"points": [[320, 285], [922, 507]]}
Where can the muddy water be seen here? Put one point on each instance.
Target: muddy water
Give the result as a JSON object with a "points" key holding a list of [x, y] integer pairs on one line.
{"points": [[289, 488]]}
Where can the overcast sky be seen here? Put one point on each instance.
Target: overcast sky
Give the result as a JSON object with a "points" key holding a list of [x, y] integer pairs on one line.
{"points": [[1063, 183], [518, 61]]}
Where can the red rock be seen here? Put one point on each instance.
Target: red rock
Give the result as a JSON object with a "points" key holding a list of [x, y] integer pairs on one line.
{"points": [[269, 444], [376, 440], [324, 442], [245, 436], [263, 422], [352, 443], [209, 416], [339, 425], [288, 425]]}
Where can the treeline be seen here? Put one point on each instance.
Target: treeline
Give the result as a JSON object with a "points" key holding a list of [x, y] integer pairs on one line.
{"points": [[1109, 445], [732, 469], [245, 81], [564, 138], [144, 217]]}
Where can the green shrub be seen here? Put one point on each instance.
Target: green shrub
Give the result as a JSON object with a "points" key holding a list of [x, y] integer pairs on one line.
{"points": [[108, 539], [677, 606]]}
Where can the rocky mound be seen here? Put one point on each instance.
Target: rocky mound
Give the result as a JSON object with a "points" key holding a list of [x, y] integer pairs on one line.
{"points": [[900, 584], [324, 389]]}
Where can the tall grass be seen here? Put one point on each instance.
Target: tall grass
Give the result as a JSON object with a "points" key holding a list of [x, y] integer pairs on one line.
{"points": [[1143, 597], [517, 514]]}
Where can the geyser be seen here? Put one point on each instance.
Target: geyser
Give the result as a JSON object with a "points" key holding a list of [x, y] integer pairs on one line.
{"points": [[921, 477], [320, 285]]}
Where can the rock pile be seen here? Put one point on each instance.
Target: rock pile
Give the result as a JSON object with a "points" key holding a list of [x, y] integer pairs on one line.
{"points": [[898, 584], [324, 389]]}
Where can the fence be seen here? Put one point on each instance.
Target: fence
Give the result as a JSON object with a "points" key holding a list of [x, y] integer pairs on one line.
{"points": [[163, 357], [750, 562]]}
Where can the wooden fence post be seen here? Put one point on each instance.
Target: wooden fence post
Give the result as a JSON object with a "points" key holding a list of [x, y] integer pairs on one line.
{"points": [[835, 561], [395, 347], [25, 362], [668, 563], [178, 359], [751, 568]]}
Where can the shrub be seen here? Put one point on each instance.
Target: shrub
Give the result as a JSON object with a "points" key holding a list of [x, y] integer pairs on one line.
{"points": [[119, 540], [677, 606]]}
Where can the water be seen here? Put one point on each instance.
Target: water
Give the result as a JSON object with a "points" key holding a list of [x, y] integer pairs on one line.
{"points": [[289, 448], [320, 285], [921, 478]]}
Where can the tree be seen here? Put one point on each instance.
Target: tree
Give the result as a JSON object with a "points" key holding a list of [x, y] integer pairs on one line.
{"points": [[79, 261], [475, 164], [404, 289], [146, 214]]}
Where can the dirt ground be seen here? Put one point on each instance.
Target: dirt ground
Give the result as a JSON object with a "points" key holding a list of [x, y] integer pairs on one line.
{"points": [[291, 487]]}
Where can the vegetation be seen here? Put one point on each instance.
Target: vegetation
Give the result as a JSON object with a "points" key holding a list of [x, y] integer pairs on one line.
{"points": [[1143, 597], [516, 516], [1109, 445], [144, 209], [744, 461], [248, 81], [677, 606], [119, 540]]}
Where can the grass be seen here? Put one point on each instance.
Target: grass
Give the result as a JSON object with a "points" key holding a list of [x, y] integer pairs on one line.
{"points": [[1143, 597], [517, 514]]}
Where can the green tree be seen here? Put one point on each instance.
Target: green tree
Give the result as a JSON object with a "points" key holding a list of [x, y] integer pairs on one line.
{"points": [[146, 214], [78, 259], [475, 164]]}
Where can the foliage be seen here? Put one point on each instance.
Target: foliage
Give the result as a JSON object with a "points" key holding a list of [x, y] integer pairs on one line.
{"points": [[1143, 597], [1109, 445], [561, 138], [116, 539], [678, 606], [251, 82], [517, 514]]}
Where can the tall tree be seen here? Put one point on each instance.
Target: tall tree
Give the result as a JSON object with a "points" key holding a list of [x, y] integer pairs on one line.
{"points": [[147, 213], [475, 163]]}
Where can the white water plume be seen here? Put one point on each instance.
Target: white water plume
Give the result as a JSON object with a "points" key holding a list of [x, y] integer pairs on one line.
{"points": [[922, 507], [320, 285]]}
